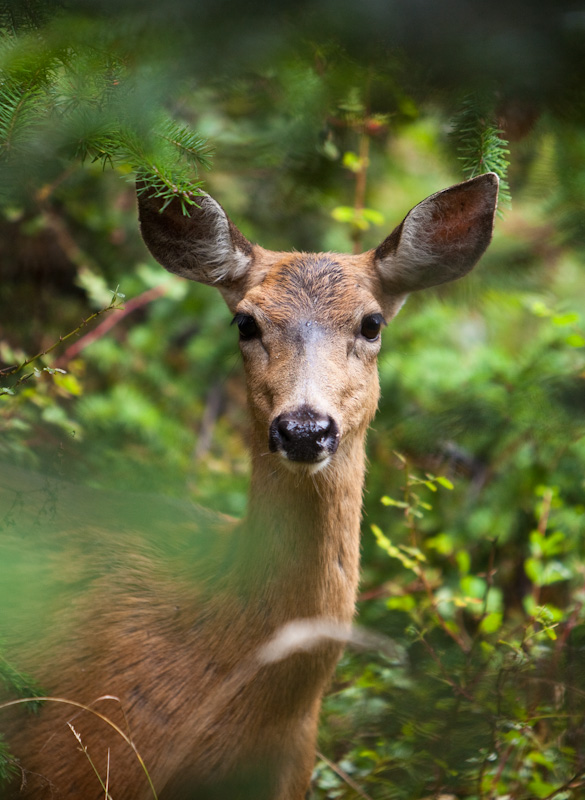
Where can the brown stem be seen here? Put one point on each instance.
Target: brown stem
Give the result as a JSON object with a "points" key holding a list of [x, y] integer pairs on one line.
{"points": [[13, 370], [419, 571], [360, 187], [92, 336], [459, 690], [570, 784], [344, 776]]}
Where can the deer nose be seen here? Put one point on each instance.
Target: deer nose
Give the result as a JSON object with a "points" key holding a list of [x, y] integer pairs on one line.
{"points": [[304, 435]]}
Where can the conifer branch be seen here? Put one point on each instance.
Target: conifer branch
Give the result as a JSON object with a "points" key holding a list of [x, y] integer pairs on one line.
{"points": [[78, 98], [479, 143]]}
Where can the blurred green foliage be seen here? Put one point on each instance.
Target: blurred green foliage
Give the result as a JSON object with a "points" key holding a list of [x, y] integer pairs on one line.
{"points": [[329, 124]]}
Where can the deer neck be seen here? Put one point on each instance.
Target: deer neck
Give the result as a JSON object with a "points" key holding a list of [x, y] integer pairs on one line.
{"points": [[301, 540]]}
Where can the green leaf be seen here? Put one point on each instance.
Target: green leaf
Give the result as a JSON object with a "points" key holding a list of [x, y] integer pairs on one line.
{"points": [[442, 543], [392, 550], [69, 384], [533, 568], [403, 603], [575, 340], [444, 482], [570, 318], [491, 623], [539, 758], [540, 309], [343, 213], [541, 788], [373, 216], [473, 586], [352, 161], [389, 501], [463, 560]]}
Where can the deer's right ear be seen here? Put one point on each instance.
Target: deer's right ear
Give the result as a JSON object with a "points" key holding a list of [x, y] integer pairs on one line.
{"points": [[203, 245]]}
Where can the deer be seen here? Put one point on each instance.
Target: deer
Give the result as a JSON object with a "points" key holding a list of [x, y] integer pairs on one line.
{"points": [[203, 648]]}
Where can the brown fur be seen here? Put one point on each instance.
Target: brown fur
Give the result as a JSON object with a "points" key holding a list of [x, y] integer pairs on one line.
{"points": [[179, 631]]}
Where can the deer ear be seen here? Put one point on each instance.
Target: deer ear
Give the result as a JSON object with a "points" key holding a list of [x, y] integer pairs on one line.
{"points": [[203, 245], [441, 239]]}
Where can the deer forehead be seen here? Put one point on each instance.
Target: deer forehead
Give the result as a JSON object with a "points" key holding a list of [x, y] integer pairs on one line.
{"points": [[330, 289]]}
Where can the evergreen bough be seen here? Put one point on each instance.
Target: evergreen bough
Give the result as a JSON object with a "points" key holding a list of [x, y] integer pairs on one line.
{"points": [[479, 142], [68, 94]]}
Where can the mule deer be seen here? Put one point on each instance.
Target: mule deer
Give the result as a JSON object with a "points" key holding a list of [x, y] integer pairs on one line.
{"points": [[216, 689]]}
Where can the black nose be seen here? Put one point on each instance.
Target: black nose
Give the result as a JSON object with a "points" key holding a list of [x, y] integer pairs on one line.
{"points": [[304, 435]]}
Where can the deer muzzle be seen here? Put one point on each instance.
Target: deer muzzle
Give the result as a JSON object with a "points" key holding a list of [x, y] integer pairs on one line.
{"points": [[304, 435]]}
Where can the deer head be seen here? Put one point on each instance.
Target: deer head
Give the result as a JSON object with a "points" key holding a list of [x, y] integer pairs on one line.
{"points": [[310, 324]]}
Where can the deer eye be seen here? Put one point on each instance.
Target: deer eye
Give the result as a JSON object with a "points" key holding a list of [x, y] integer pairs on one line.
{"points": [[246, 325], [371, 326]]}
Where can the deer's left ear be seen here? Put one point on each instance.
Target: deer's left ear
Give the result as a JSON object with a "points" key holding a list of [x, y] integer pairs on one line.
{"points": [[441, 239]]}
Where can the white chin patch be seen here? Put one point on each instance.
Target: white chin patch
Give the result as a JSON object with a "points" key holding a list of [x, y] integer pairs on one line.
{"points": [[303, 467]]}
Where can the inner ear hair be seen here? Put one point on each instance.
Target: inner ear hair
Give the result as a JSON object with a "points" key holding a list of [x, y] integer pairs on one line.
{"points": [[202, 245], [440, 239]]}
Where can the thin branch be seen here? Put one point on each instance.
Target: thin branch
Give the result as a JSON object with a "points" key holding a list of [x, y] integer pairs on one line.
{"points": [[344, 776], [361, 179], [576, 782], [418, 570], [100, 330], [8, 371]]}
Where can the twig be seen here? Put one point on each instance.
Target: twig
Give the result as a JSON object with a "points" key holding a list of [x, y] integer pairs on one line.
{"points": [[459, 690], [8, 371], [570, 784], [418, 570], [344, 776], [360, 186], [100, 330]]}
